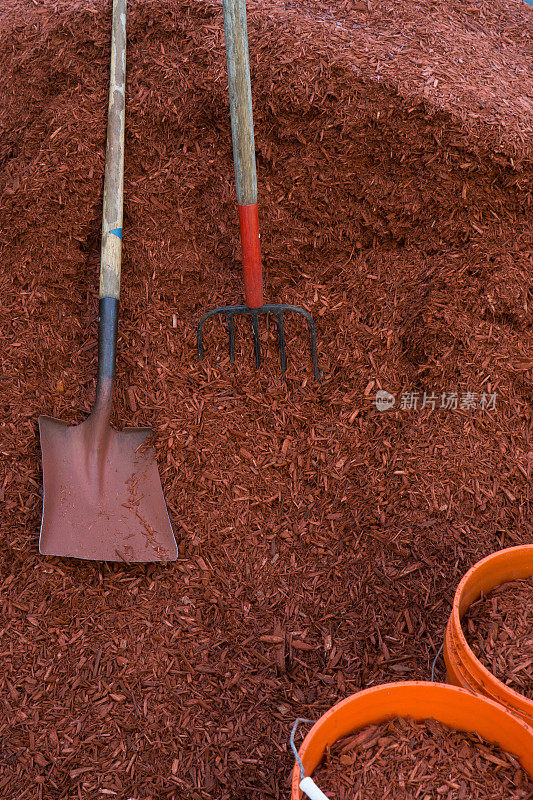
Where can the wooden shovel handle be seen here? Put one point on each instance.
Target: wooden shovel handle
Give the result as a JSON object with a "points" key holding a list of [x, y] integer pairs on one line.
{"points": [[110, 259]]}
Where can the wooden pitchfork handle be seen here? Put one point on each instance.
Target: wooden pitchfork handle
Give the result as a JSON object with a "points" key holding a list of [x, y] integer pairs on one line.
{"points": [[242, 134]]}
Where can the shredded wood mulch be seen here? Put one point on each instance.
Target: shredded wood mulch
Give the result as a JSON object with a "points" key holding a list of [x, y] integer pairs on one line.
{"points": [[403, 760], [321, 540], [499, 629]]}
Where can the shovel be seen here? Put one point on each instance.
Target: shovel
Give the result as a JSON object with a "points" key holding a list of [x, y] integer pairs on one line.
{"points": [[102, 497]]}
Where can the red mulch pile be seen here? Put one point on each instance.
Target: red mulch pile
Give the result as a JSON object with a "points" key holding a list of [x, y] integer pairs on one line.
{"points": [[320, 539], [403, 760], [499, 628]]}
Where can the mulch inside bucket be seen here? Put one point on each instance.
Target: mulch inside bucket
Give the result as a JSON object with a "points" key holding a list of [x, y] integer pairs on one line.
{"points": [[405, 759], [499, 629]]}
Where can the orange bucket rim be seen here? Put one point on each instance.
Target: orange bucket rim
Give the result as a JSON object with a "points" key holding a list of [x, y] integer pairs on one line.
{"points": [[457, 628], [396, 687]]}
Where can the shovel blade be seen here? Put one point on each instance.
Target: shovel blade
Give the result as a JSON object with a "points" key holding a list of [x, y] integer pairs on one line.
{"points": [[102, 498]]}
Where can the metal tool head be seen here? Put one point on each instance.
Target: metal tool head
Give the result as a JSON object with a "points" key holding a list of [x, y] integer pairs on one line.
{"points": [[277, 310], [102, 493]]}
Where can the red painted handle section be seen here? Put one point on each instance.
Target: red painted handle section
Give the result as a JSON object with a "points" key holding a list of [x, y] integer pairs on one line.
{"points": [[251, 255]]}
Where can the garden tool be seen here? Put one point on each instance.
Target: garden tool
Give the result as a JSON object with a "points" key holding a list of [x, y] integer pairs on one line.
{"points": [[102, 496], [242, 131]]}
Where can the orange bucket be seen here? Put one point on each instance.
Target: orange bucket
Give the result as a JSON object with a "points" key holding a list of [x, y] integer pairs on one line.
{"points": [[463, 668], [419, 700]]}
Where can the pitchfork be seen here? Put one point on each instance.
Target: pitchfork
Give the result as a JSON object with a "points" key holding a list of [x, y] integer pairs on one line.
{"points": [[242, 131]]}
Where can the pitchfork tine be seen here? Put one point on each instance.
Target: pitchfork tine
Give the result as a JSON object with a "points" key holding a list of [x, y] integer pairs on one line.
{"points": [[281, 340], [312, 339], [314, 356], [200, 339], [231, 332], [257, 344]]}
